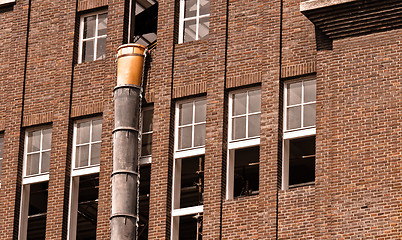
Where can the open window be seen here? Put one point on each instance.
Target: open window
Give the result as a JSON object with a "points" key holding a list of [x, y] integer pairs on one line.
{"points": [[146, 135], [188, 170], [35, 183], [244, 141], [299, 133], [143, 22], [194, 20], [84, 190], [92, 43]]}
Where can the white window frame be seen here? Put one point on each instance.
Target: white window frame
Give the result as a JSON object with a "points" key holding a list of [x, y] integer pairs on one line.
{"points": [[197, 18], [89, 169], [146, 159], [291, 134], [4, 2], [238, 143], [177, 212], [75, 176], [96, 37], [40, 177]]}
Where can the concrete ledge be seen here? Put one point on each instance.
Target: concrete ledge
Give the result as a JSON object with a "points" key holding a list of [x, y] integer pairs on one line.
{"points": [[316, 4]]}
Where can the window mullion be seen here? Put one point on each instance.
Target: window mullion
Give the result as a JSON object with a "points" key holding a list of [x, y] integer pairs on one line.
{"points": [[96, 38], [197, 21], [193, 125], [40, 151], [90, 143], [247, 112], [302, 106]]}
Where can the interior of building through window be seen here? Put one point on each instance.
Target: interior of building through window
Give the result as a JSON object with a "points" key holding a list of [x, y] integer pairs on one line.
{"points": [[37, 211], [87, 207], [191, 227], [147, 126], [145, 177], [146, 21], [301, 161], [192, 181], [246, 171]]}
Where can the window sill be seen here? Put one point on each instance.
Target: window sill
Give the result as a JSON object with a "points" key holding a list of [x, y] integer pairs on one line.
{"points": [[301, 185]]}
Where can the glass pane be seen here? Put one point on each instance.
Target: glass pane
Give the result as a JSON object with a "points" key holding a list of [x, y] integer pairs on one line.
{"points": [[199, 135], [189, 31], [294, 93], [200, 111], [83, 132], [95, 153], [147, 119], [254, 101], [89, 26], [88, 51], [81, 156], [239, 103], [101, 48], [204, 7], [294, 117], [146, 149], [96, 130], [309, 91], [254, 125], [239, 128], [47, 139], [190, 8], [185, 113], [45, 162], [185, 137], [203, 28], [32, 164], [33, 141], [102, 24], [309, 115]]}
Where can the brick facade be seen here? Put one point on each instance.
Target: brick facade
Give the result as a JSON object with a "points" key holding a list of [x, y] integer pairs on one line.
{"points": [[357, 191]]}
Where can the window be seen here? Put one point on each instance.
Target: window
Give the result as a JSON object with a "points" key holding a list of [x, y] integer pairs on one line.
{"points": [[194, 20], [84, 190], [35, 183], [87, 143], [188, 169], [1, 153], [244, 141], [33, 211], [144, 28], [37, 154], [6, 2], [146, 140], [299, 133], [93, 28]]}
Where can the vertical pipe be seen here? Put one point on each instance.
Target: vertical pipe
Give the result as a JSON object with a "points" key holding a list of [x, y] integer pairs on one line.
{"points": [[127, 103]]}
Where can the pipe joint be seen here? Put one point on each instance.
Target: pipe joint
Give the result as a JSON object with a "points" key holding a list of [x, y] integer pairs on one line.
{"points": [[116, 215], [125, 172], [128, 129]]}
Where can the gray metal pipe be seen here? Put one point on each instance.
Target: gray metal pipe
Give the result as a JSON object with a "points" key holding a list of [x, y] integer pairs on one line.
{"points": [[125, 181]]}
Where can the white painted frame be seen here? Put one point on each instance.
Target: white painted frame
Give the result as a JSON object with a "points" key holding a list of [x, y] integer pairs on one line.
{"points": [[292, 133], [95, 38], [146, 159], [40, 177], [6, 2], [89, 169], [177, 212], [238, 143], [182, 19]]}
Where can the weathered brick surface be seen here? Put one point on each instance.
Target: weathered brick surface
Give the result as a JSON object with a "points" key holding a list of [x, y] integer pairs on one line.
{"points": [[357, 194]]}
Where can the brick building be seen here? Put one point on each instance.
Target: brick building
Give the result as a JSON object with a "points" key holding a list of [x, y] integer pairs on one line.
{"points": [[261, 119]]}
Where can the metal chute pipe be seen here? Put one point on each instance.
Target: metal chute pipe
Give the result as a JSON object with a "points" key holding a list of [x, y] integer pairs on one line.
{"points": [[127, 102]]}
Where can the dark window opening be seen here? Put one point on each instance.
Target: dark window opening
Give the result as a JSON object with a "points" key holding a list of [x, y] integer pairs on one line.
{"points": [[246, 171], [37, 211], [145, 22], [301, 161], [190, 227], [192, 182], [145, 177], [87, 207]]}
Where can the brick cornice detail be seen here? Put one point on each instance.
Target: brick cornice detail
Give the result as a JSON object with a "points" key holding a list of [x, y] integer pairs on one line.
{"points": [[242, 80], [87, 109], [149, 96], [39, 118], [298, 69], [190, 89], [90, 4]]}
